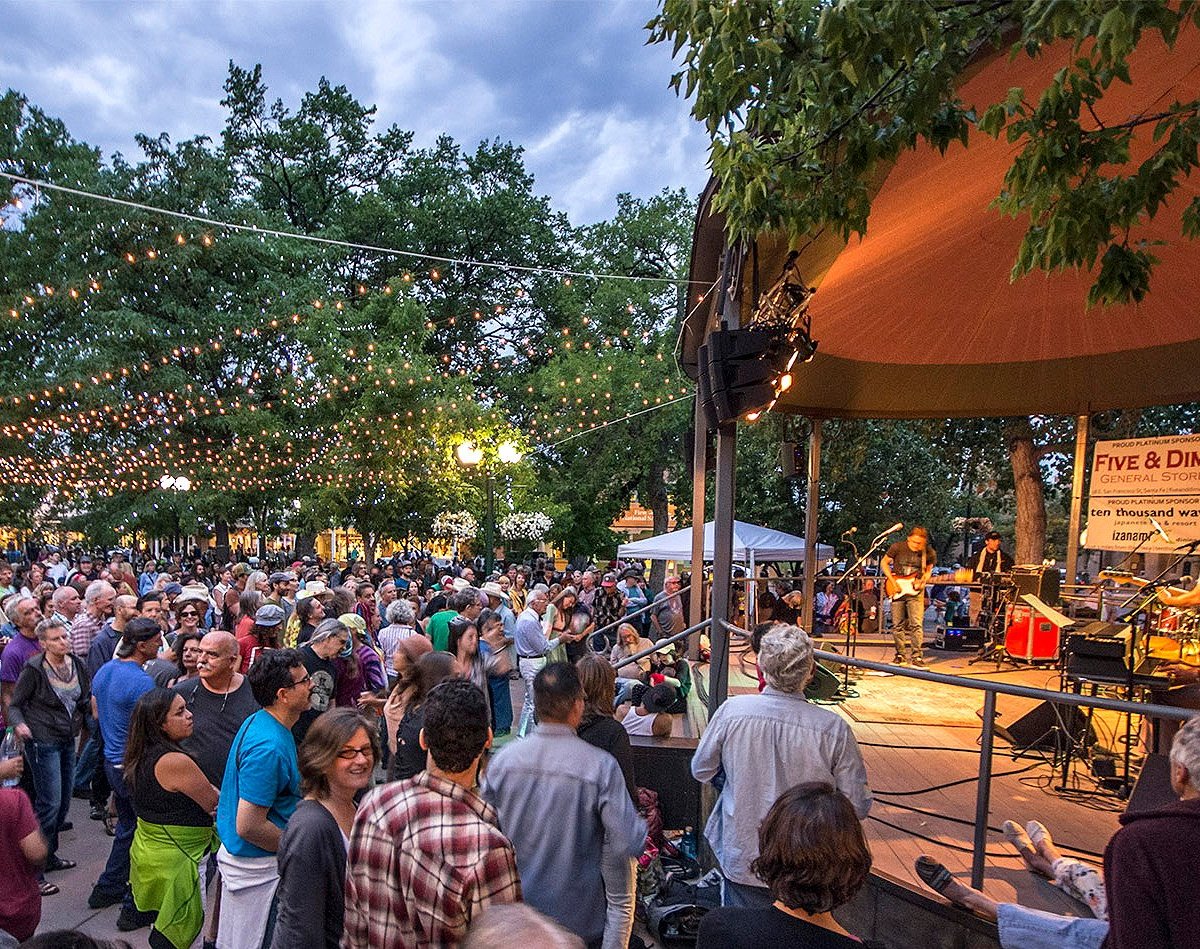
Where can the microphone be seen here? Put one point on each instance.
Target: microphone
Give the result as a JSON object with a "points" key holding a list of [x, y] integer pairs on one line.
{"points": [[1159, 530], [895, 527]]}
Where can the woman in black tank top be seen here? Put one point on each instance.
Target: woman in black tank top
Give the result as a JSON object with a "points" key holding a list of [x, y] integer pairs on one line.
{"points": [[174, 803]]}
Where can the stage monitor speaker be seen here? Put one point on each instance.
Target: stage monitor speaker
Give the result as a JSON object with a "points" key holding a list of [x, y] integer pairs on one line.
{"points": [[1043, 726], [1153, 787], [959, 637]]}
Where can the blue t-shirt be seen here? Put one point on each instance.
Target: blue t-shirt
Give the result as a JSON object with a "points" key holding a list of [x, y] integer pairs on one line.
{"points": [[117, 687], [261, 770]]}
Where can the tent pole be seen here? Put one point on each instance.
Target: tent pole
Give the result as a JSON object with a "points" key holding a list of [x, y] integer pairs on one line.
{"points": [[699, 515], [1081, 439], [751, 590], [718, 687], [810, 522]]}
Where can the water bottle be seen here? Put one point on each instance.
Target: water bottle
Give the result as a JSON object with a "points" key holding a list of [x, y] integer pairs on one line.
{"points": [[10, 748]]}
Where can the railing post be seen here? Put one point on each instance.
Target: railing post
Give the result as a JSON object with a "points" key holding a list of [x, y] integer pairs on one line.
{"points": [[983, 793]]}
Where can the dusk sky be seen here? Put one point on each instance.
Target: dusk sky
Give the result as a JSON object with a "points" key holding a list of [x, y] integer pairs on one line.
{"points": [[571, 82]]}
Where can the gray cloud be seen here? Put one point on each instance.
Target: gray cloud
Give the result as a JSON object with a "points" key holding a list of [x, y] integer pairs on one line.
{"points": [[572, 82]]}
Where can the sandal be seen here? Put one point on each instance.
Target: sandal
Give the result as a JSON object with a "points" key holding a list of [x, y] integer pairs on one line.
{"points": [[933, 873], [47, 888], [110, 824], [59, 863]]}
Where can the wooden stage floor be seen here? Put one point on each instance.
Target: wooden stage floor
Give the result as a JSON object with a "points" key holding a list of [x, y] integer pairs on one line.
{"points": [[905, 758]]}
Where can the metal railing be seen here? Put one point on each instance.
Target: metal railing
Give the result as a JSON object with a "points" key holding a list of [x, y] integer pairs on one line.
{"points": [[990, 690]]}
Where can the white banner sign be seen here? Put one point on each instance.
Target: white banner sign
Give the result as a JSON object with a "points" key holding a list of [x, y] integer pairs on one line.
{"points": [[1139, 480], [1146, 467]]}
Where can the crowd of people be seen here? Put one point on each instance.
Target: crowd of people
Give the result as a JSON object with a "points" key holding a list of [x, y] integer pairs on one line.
{"points": [[228, 722], [294, 755]]}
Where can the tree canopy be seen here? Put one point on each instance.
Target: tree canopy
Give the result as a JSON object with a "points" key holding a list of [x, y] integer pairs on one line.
{"points": [[807, 103]]}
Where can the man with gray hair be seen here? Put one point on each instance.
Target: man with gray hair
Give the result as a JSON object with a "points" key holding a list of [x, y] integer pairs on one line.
{"points": [[765, 744], [531, 645], [66, 605], [97, 607]]}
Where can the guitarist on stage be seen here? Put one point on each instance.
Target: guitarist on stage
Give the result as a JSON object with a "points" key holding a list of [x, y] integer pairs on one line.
{"points": [[908, 564]]}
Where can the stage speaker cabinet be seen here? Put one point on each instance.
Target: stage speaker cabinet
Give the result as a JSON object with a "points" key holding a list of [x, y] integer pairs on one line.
{"points": [[1042, 581], [1046, 726], [1031, 637], [1153, 787], [958, 637]]}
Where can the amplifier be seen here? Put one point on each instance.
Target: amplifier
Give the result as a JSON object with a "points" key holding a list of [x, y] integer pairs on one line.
{"points": [[1042, 581], [958, 637], [1099, 650]]}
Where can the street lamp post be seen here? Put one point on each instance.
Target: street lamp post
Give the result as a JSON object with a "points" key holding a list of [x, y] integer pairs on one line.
{"points": [[470, 456]]}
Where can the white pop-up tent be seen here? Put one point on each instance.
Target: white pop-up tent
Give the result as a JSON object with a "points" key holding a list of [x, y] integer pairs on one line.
{"points": [[751, 543]]}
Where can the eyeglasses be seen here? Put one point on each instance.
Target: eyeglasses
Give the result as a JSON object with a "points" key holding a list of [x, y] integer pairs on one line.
{"points": [[185, 614], [307, 678], [349, 754]]}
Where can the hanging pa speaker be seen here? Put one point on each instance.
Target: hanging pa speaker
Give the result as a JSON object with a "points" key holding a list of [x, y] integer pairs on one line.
{"points": [[708, 409]]}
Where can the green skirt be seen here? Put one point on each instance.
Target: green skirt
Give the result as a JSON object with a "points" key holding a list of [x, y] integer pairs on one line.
{"points": [[164, 874]]}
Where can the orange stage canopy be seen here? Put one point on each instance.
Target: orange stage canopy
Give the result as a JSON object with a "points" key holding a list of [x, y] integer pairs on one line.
{"points": [[920, 318]]}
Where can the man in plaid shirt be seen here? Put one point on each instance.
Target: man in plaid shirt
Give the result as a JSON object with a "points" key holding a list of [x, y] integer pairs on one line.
{"points": [[427, 854]]}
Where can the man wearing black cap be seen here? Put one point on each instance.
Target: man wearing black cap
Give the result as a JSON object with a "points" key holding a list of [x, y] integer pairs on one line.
{"points": [[282, 592], [988, 561], [115, 691]]}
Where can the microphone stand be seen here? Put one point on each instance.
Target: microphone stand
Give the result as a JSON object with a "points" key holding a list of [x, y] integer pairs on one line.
{"points": [[852, 619]]}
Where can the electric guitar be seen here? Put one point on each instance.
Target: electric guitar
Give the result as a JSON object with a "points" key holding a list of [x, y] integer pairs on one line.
{"points": [[900, 587], [1124, 576]]}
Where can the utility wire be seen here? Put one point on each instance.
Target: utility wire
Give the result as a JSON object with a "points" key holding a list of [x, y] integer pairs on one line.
{"points": [[328, 241]]}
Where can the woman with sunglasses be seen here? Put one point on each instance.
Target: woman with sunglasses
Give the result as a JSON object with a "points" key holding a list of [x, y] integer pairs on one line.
{"points": [[337, 759]]}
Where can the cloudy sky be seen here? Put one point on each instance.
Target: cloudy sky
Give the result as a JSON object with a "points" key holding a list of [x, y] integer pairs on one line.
{"points": [[570, 80]]}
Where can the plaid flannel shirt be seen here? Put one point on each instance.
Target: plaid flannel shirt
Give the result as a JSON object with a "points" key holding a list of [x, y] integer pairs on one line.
{"points": [[82, 631], [426, 855]]}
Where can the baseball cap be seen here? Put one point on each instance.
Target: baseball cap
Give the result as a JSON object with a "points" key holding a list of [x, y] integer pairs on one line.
{"points": [[610, 580], [659, 698], [140, 630], [268, 615]]}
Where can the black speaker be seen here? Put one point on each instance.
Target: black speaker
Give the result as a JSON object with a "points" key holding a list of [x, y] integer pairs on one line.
{"points": [[1042, 582], [704, 392], [1044, 724], [1153, 787]]}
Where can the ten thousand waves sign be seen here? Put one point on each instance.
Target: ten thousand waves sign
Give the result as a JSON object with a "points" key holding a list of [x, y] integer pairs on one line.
{"points": [[1141, 480]]}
